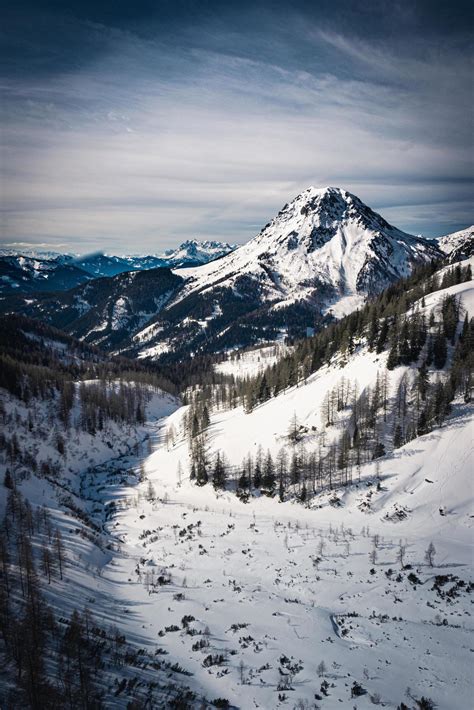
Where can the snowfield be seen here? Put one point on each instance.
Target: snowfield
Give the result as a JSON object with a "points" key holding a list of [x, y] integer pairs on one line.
{"points": [[250, 574]]}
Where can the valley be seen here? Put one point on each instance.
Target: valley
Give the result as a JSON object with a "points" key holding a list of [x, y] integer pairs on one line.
{"points": [[278, 605]]}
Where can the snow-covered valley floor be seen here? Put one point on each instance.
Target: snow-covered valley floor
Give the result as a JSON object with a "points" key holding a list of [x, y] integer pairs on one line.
{"points": [[280, 606]]}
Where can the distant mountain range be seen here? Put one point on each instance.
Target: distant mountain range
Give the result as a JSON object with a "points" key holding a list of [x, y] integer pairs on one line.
{"points": [[321, 257], [32, 271]]}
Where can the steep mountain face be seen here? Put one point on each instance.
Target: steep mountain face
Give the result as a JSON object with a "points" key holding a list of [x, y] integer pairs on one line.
{"points": [[324, 237], [25, 274], [458, 245], [105, 311], [320, 257]]}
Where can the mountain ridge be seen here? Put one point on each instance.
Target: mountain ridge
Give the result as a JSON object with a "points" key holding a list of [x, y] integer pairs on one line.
{"points": [[30, 270], [320, 257]]}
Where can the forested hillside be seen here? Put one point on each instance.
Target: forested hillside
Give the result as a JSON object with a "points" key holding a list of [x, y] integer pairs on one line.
{"points": [[412, 346]]}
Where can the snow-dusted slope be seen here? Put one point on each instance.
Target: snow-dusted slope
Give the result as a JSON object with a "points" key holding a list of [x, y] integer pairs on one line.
{"points": [[458, 245], [104, 311], [252, 362], [237, 432], [278, 581]]}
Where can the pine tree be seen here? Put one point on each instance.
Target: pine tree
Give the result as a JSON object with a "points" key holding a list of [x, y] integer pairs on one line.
{"points": [[257, 475], [195, 425], [268, 473], [59, 548], [422, 381], [440, 350], [294, 469], [450, 313], [199, 461], [393, 360], [382, 338], [294, 429], [404, 350], [205, 419], [8, 480], [303, 492], [263, 389], [429, 351], [219, 473], [422, 424], [397, 436]]}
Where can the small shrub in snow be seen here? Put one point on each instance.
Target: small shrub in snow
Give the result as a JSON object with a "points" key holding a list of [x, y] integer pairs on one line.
{"points": [[413, 578], [186, 620], [425, 704], [357, 690]]}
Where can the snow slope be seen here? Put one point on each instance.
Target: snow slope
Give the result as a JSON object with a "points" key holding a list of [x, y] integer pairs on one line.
{"points": [[248, 573], [400, 639]]}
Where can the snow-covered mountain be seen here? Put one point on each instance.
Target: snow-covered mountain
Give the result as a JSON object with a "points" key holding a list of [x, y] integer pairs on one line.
{"points": [[321, 255], [37, 270], [458, 245], [319, 258], [324, 238], [193, 252], [27, 274]]}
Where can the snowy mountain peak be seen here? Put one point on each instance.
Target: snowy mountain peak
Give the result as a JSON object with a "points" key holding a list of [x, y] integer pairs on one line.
{"points": [[194, 251], [314, 217], [327, 237]]}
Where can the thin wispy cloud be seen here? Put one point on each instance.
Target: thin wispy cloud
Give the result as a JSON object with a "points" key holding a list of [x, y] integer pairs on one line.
{"points": [[149, 142]]}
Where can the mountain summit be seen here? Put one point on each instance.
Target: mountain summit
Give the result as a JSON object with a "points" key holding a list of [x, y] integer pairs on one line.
{"points": [[326, 242], [320, 257]]}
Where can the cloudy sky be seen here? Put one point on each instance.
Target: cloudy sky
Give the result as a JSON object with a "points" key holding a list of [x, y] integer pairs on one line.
{"points": [[130, 126]]}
